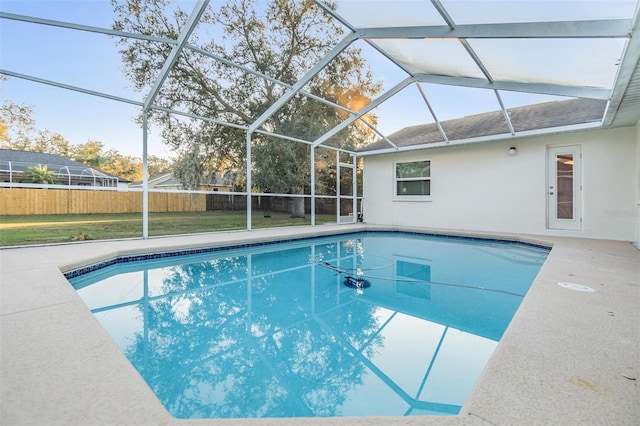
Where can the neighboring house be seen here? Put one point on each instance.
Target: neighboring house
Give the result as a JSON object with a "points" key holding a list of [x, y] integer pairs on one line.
{"points": [[13, 165], [217, 182], [551, 176]]}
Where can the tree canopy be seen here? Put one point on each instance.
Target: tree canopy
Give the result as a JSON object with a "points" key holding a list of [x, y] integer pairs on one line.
{"points": [[192, 346], [39, 174], [281, 39], [19, 131]]}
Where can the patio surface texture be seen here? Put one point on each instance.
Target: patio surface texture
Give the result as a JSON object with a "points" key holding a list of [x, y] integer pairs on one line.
{"points": [[567, 358]]}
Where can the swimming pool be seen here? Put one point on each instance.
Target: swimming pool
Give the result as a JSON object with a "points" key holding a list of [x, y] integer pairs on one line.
{"points": [[272, 330]]}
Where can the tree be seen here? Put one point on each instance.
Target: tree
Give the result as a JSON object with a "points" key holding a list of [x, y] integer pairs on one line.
{"points": [[280, 40], [211, 327], [13, 117], [90, 153], [18, 131], [158, 165], [16, 119], [39, 174], [125, 166], [188, 168]]}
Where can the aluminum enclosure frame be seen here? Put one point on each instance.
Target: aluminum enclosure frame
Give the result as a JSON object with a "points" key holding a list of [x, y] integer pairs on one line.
{"points": [[626, 29]]}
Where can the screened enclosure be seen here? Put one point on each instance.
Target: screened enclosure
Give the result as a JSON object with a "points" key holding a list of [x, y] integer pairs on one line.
{"points": [[177, 78]]}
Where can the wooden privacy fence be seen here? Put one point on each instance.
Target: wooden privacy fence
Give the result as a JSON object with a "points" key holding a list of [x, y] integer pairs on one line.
{"points": [[24, 201]]}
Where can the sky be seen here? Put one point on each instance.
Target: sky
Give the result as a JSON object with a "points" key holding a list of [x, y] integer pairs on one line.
{"points": [[83, 59], [91, 61]]}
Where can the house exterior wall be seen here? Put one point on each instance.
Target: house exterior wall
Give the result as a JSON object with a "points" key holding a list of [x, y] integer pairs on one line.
{"points": [[481, 187], [637, 183]]}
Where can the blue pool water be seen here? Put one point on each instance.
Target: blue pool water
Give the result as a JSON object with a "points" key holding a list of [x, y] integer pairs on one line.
{"points": [[273, 331]]}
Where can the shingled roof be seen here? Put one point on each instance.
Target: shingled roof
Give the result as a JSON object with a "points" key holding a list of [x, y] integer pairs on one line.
{"points": [[21, 160], [546, 115], [34, 158]]}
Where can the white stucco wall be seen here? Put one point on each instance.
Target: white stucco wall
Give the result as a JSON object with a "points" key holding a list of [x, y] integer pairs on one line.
{"points": [[637, 212], [480, 187]]}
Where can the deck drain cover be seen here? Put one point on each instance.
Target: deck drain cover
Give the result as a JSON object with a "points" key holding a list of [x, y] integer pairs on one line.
{"points": [[576, 287]]}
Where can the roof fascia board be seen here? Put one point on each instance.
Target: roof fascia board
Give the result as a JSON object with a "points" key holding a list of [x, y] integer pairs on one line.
{"points": [[625, 72], [160, 178], [337, 49], [491, 138], [609, 28], [371, 105], [189, 27], [88, 28], [542, 88], [69, 87]]}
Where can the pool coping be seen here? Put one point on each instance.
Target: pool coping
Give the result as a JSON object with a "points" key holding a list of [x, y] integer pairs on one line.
{"points": [[214, 248], [567, 357]]}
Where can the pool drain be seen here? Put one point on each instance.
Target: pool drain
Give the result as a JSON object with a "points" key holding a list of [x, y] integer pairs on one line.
{"points": [[576, 287]]}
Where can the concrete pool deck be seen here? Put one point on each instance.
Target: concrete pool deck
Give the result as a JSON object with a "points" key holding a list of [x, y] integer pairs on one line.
{"points": [[568, 357]]}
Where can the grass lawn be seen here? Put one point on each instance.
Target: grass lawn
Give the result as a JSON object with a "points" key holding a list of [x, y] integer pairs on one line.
{"points": [[40, 229]]}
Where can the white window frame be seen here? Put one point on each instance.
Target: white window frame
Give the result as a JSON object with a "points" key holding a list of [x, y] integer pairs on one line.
{"points": [[399, 197], [424, 286]]}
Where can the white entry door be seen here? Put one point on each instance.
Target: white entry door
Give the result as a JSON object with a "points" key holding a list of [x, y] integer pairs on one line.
{"points": [[564, 187]]}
